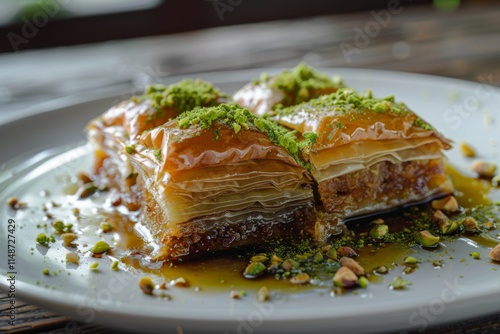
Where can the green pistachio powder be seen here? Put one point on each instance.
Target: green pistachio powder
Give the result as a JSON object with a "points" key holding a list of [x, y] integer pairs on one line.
{"points": [[184, 95], [189, 95], [299, 81]]}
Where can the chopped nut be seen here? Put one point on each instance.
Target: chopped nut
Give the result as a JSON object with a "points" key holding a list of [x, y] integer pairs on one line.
{"points": [[12, 202], [346, 251], [301, 278], [448, 203], [42, 239], [447, 226], [259, 258], [495, 253], [46, 271], [344, 277], [382, 270], [475, 255], [438, 216], [58, 225], [87, 190], [467, 150], [263, 294], [82, 176], [398, 283], [114, 265], [379, 231], [254, 269], [94, 265], [410, 260], [378, 221], [72, 258], [146, 284], [234, 294], [106, 227], [180, 282], [289, 264], [363, 282], [470, 224], [318, 257], [332, 254], [353, 265], [68, 239], [101, 247], [484, 169], [426, 239]]}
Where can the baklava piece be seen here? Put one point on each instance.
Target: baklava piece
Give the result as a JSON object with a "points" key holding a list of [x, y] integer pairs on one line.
{"points": [[287, 88], [218, 178], [117, 130], [368, 154]]}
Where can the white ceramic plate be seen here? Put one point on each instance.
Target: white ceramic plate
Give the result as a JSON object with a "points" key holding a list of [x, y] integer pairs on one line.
{"points": [[48, 146]]}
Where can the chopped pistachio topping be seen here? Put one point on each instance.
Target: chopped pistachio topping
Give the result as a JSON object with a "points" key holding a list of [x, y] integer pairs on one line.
{"points": [[158, 155], [419, 123], [398, 283], [347, 100], [184, 95], [299, 81], [43, 239], [237, 118], [101, 247]]}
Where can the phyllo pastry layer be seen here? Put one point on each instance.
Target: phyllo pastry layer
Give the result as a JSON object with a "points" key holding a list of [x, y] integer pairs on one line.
{"points": [[368, 154], [287, 88], [118, 128], [218, 178]]}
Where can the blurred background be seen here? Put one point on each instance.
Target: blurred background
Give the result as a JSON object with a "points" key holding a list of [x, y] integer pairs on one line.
{"points": [[54, 48]]}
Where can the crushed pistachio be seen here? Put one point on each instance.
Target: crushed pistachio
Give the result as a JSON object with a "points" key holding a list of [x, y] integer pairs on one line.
{"points": [[345, 277], [72, 257], [467, 150], [229, 115], [184, 95], [484, 169], [114, 265], [68, 239], [43, 239], [130, 149], [106, 227], [495, 253], [263, 294], [46, 271], [363, 282], [399, 283], [94, 265], [146, 284], [299, 82], [254, 269], [12, 202], [101, 247], [426, 239], [475, 255], [346, 100], [301, 278]]}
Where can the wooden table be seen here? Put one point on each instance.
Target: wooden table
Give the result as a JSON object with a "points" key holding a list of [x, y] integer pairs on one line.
{"points": [[460, 44]]}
